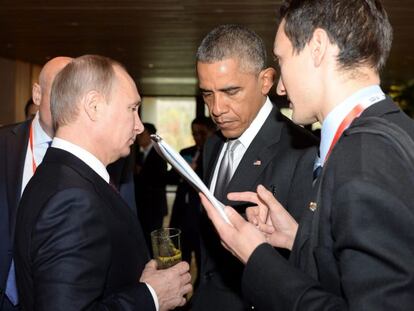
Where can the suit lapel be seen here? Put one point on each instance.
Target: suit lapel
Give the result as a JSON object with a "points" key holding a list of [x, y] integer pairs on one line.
{"points": [[108, 194], [301, 255], [263, 149]]}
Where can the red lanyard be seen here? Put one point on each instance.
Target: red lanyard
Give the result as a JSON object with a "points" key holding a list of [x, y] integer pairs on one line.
{"points": [[34, 165], [354, 113]]}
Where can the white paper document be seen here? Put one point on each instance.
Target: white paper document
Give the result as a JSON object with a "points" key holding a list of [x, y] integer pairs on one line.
{"points": [[185, 170]]}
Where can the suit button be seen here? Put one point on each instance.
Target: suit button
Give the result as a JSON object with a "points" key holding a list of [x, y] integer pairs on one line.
{"points": [[313, 206]]}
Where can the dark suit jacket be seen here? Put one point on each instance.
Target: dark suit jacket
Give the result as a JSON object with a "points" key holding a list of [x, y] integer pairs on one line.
{"points": [[281, 158], [13, 147], [78, 245], [186, 209], [150, 192], [13, 144], [355, 252]]}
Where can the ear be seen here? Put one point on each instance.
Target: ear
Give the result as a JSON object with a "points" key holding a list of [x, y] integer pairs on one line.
{"points": [[319, 44], [36, 94], [92, 104], [267, 76]]}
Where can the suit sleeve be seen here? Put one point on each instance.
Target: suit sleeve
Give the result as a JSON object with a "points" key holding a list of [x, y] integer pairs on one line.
{"points": [[271, 283], [71, 253]]}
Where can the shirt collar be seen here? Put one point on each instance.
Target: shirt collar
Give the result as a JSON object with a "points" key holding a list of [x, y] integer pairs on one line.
{"points": [[87, 157], [335, 117], [250, 133], [39, 135]]}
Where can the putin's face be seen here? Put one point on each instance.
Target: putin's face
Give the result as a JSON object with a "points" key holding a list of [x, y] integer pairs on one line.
{"points": [[123, 122]]}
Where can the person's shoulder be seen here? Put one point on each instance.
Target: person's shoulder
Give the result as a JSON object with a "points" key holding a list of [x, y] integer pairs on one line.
{"points": [[8, 129], [300, 137], [379, 132], [370, 152]]}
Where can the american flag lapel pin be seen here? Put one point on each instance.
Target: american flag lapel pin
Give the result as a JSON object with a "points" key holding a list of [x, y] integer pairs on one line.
{"points": [[257, 163]]}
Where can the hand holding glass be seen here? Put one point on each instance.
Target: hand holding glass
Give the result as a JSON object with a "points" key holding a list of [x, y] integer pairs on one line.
{"points": [[166, 247]]}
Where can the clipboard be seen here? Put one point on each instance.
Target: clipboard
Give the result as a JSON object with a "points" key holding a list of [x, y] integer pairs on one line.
{"points": [[185, 170]]}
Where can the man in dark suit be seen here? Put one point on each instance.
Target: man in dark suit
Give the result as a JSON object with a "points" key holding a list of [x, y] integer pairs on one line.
{"points": [[17, 166], [150, 182], [22, 147], [352, 250], [269, 149], [78, 245]]}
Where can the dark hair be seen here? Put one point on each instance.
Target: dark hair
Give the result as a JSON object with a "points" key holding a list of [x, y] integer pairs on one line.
{"points": [[150, 128], [360, 28], [228, 41], [206, 121], [27, 106]]}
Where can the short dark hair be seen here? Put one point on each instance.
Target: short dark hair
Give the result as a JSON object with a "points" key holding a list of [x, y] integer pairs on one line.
{"points": [[27, 106], [150, 128], [228, 41], [360, 28]]}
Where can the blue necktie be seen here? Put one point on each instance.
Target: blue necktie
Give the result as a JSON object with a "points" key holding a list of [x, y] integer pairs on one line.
{"points": [[317, 168], [11, 288], [317, 171]]}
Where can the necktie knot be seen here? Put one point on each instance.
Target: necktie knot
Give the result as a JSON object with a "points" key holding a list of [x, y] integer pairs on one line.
{"points": [[317, 168], [316, 172], [232, 146]]}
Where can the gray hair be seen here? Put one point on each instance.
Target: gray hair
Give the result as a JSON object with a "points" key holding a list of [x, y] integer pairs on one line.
{"points": [[233, 41], [81, 75]]}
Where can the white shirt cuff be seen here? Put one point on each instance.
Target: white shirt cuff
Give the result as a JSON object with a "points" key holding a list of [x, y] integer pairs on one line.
{"points": [[154, 297]]}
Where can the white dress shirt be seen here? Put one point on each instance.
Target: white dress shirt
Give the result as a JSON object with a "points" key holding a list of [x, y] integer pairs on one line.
{"points": [[40, 144], [245, 140], [98, 167]]}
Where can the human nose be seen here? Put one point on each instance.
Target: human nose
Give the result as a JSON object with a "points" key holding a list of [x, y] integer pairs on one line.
{"points": [[139, 127], [217, 105], [280, 89]]}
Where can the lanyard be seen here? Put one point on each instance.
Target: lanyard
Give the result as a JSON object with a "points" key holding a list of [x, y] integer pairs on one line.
{"points": [[351, 116], [363, 103], [34, 165]]}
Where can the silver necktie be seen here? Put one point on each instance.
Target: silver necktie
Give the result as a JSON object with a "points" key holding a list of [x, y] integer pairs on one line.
{"points": [[225, 170]]}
